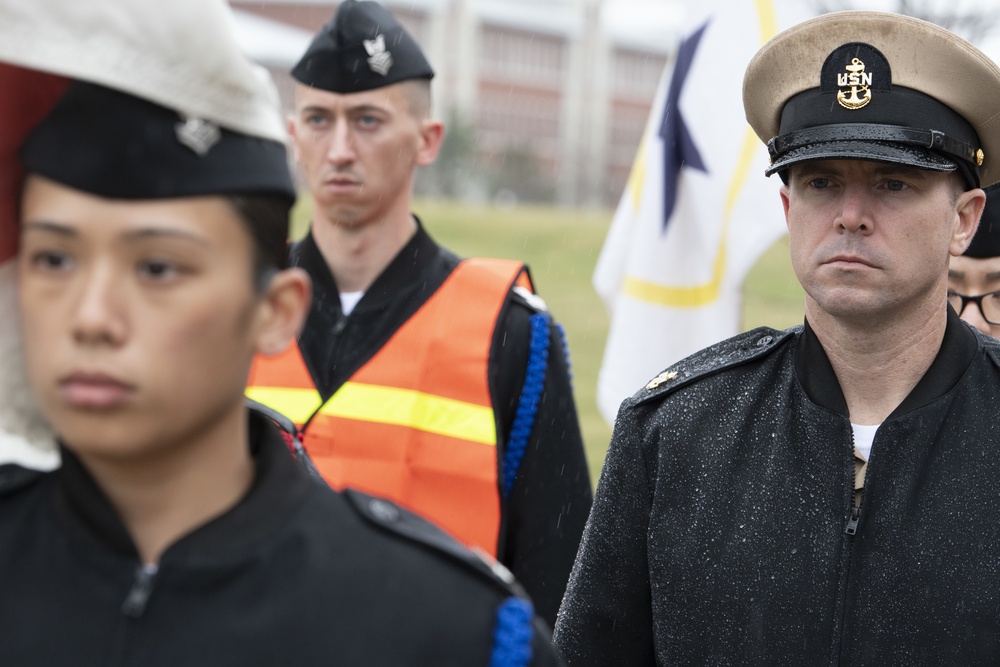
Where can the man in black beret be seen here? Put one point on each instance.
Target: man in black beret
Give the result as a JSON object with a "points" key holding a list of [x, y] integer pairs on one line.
{"points": [[974, 278], [183, 528], [438, 382], [825, 494]]}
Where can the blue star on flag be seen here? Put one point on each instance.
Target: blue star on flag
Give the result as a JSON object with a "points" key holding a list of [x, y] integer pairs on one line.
{"points": [[678, 146]]}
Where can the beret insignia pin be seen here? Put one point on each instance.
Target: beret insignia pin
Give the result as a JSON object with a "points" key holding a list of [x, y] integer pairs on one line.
{"points": [[379, 60], [665, 376], [198, 134], [859, 81]]}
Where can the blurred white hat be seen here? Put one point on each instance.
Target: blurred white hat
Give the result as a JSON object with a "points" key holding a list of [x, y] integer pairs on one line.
{"points": [[180, 54]]}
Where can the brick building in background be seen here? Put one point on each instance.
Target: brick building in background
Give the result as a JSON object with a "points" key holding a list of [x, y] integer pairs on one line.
{"points": [[541, 100]]}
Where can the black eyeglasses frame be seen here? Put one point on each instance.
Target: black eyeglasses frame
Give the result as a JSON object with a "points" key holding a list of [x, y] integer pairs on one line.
{"points": [[978, 300]]}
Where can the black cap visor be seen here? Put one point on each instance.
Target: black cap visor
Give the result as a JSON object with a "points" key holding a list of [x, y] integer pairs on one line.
{"points": [[878, 151], [901, 126]]}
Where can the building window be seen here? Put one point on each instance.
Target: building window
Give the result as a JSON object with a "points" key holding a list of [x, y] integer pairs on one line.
{"points": [[521, 56], [519, 113], [636, 73]]}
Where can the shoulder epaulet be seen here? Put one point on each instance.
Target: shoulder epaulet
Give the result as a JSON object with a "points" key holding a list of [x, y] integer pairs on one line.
{"points": [[400, 522], [13, 478], [729, 353], [528, 298], [289, 434]]}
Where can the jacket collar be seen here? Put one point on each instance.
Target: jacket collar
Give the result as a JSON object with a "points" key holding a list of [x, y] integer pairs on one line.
{"points": [[410, 261], [279, 485], [820, 383]]}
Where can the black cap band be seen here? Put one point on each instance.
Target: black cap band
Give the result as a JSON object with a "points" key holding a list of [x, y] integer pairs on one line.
{"points": [[929, 134], [117, 146]]}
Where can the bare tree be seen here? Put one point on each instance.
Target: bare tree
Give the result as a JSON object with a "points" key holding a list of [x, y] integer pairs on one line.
{"points": [[972, 24]]}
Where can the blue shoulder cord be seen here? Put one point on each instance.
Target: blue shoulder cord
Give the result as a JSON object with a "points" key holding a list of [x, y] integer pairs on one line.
{"points": [[527, 406], [513, 634], [565, 344]]}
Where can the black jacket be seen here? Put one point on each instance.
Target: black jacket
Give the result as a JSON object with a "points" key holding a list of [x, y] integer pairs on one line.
{"points": [[543, 518], [295, 574], [721, 530]]}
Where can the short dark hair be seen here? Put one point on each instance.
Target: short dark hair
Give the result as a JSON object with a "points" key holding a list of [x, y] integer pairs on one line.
{"points": [[418, 96], [266, 218]]}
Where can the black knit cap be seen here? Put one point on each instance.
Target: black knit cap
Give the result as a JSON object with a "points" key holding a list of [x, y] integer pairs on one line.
{"points": [[362, 47], [114, 145], [986, 242]]}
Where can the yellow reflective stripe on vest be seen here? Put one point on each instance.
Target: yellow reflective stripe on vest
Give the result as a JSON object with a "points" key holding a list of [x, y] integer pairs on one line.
{"points": [[413, 409], [296, 404]]}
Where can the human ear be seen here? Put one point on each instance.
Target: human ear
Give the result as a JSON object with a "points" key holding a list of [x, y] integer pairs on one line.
{"points": [[283, 310], [783, 192], [968, 209], [292, 135], [431, 136]]}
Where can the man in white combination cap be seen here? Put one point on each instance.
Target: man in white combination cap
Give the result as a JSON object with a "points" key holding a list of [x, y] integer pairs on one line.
{"points": [[825, 494]]}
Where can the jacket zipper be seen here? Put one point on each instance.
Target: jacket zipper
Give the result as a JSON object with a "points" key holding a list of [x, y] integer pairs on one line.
{"points": [[851, 529], [335, 334], [134, 605], [142, 588], [852, 522]]}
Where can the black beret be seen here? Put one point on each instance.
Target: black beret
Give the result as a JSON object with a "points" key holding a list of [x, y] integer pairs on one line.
{"points": [[361, 48], [118, 146], [986, 242]]}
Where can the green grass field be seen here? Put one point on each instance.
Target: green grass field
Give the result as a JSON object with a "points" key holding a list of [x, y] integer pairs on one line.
{"points": [[561, 247]]}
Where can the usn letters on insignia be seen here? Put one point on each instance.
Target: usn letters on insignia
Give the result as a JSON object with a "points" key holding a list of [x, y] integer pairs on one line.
{"points": [[380, 60], [859, 81]]}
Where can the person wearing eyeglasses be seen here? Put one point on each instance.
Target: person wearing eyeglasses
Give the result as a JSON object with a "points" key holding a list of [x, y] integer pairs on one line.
{"points": [[974, 277]]}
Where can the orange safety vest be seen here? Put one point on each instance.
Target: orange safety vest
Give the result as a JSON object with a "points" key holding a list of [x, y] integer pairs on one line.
{"points": [[415, 424]]}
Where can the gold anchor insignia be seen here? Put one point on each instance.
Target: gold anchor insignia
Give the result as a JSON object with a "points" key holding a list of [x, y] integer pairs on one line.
{"points": [[665, 376], [858, 80], [980, 156]]}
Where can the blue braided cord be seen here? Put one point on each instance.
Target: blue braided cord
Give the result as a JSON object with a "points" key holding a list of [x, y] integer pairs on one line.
{"points": [[512, 634], [527, 406], [565, 342]]}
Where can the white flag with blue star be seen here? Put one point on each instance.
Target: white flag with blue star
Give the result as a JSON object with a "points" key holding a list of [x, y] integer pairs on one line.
{"points": [[697, 211]]}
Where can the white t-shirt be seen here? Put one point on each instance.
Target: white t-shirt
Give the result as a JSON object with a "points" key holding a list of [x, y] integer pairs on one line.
{"points": [[864, 435], [348, 300]]}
